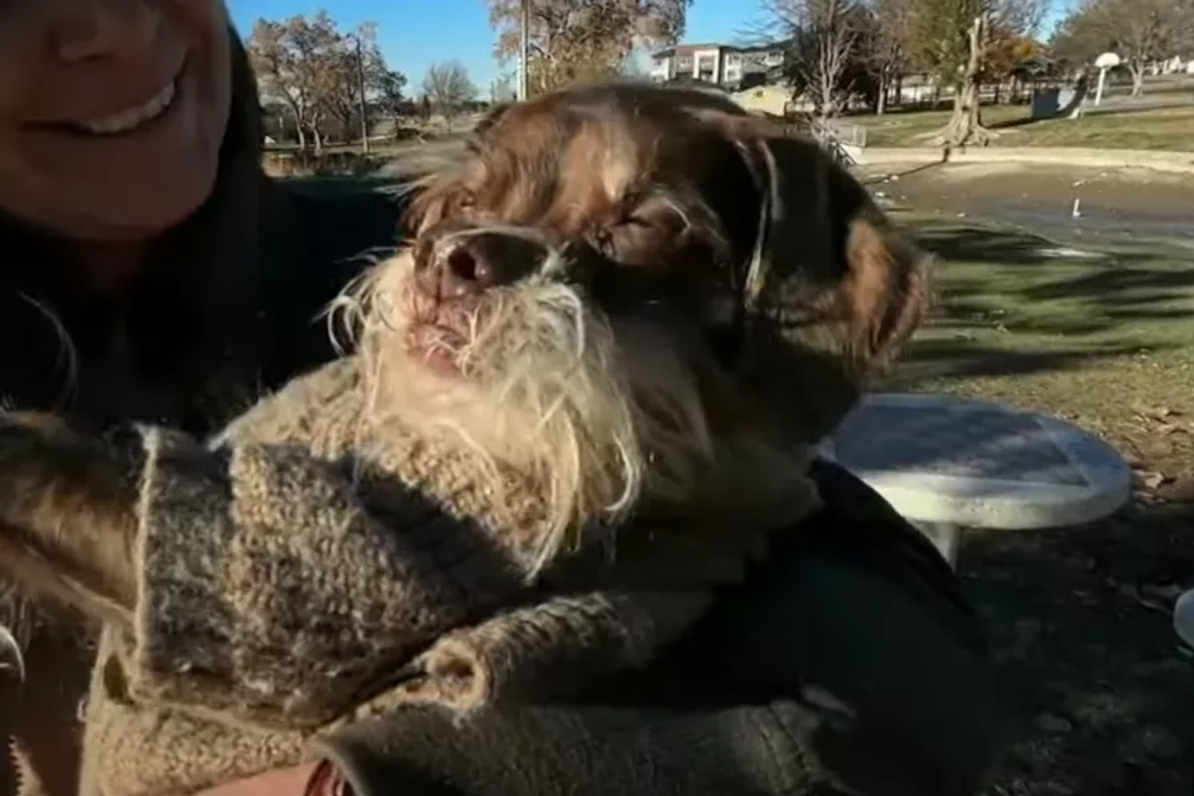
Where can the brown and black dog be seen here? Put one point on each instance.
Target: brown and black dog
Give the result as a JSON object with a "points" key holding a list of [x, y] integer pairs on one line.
{"points": [[669, 210]]}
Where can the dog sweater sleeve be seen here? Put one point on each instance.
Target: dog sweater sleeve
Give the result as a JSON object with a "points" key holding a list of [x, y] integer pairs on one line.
{"points": [[268, 591]]}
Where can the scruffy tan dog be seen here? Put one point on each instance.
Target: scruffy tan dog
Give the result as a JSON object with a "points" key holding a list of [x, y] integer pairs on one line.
{"points": [[577, 405]]}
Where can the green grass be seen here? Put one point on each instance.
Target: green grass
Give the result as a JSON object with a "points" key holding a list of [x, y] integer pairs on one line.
{"points": [[1161, 129], [1080, 332], [1078, 617]]}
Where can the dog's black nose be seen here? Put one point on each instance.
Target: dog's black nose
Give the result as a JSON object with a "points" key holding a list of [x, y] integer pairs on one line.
{"points": [[468, 263]]}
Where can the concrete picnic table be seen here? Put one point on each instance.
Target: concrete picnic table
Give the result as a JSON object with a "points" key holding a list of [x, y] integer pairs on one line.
{"points": [[948, 463], [1183, 618]]}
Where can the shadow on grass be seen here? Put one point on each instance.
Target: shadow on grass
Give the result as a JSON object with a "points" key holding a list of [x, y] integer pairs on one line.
{"points": [[1100, 287], [1143, 107], [1091, 670], [964, 359], [1008, 124], [1089, 112], [1010, 303], [880, 179]]}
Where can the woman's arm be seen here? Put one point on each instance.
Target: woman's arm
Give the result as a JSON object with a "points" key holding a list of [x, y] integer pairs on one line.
{"points": [[838, 670], [252, 579], [255, 580]]}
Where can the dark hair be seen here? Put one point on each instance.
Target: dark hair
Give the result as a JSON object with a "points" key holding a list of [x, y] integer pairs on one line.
{"points": [[185, 320]]}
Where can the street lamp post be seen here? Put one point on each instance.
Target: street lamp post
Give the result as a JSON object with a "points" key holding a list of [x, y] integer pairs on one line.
{"points": [[524, 47], [362, 105]]}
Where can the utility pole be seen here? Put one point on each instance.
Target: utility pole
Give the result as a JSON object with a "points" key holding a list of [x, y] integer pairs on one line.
{"points": [[524, 49], [364, 106]]}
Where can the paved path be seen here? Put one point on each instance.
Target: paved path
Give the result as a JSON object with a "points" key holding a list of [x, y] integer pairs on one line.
{"points": [[1116, 204]]}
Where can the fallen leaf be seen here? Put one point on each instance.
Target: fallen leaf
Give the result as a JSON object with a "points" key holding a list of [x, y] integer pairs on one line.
{"points": [[1150, 479]]}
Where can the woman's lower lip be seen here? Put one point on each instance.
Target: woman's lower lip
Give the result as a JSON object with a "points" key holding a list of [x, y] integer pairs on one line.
{"points": [[79, 131]]}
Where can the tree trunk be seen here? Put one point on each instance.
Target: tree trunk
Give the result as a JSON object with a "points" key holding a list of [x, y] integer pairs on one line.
{"points": [[1137, 70], [881, 104], [966, 126], [298, 127]]}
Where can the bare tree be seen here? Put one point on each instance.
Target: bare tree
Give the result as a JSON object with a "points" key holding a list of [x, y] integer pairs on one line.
{"points": [[825, 37], [448, 88], [319, 73], [391, 97], [1014, 59], [278, 68], [885, 45], [1139, 31], [582, 40], [953, 39], [351, 65]]}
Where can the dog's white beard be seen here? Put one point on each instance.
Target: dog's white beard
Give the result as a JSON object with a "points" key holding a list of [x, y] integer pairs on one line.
{"points": [[547, 398]]}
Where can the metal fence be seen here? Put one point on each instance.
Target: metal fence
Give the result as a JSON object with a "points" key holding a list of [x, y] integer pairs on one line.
{"points": [[839, 139]]}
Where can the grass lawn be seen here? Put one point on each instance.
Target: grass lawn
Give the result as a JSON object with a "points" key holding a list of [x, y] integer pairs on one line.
{"points": [[1165, 128], [1079, 617]]}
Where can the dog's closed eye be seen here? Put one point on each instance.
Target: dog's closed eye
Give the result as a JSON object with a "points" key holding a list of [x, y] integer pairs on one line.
{"points": [[675, 199]]}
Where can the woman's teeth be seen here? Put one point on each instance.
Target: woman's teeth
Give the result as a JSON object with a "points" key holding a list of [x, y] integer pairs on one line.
{"points": [[130, 119]]}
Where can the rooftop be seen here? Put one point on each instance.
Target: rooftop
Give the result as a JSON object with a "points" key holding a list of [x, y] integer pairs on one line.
{"points": [[687, 48]]}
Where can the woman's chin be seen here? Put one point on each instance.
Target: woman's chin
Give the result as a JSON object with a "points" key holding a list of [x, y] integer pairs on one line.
{"points": [[152, 211]]}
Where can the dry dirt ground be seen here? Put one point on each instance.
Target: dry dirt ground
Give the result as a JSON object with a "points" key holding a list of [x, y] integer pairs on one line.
{"points": [[1091, 319], [1112, 204]]}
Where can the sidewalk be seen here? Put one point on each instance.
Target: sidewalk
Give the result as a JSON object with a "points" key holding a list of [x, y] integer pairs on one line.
{"points": [[1157, 160]]}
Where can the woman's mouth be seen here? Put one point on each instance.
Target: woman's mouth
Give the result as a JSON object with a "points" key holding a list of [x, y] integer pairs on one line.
{"points": [[125, 121], [130, 119]]}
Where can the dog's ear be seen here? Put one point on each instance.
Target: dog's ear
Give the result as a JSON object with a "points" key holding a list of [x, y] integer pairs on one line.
{"points": [[833, 289]]}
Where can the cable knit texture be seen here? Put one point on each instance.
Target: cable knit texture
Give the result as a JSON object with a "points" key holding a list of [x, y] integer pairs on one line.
{"points": [[295, 577]]}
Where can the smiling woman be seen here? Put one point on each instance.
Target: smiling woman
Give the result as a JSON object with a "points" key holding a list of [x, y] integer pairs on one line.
{"points": [[139, 279], [111, 114]]}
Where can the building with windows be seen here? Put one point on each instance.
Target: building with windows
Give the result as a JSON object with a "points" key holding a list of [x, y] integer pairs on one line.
{"points": [[720, 64]]}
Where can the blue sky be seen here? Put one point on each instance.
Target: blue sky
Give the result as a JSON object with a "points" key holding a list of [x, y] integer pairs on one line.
{"points": [[417, 33]]}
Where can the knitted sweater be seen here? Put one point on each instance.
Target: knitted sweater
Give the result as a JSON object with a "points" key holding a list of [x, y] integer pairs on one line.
{"points": [[293, 579]]}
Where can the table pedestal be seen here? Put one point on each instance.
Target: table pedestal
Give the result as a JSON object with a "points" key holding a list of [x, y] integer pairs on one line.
{"points": [[949, 464]]}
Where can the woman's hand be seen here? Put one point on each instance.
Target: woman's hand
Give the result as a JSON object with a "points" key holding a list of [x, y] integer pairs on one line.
{"points": [[67, 514]]}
